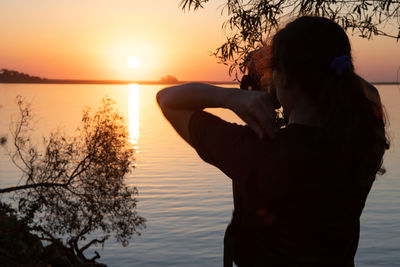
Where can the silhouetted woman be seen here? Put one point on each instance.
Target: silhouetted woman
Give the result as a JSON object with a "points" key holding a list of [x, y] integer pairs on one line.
{"points": [[298, 190]]}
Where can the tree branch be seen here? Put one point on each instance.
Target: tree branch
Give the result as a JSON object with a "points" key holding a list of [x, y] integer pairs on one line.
{"points": [[95, 257], [94, 241], [29, 186]]}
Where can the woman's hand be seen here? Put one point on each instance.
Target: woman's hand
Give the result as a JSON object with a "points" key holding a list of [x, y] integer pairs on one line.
{"points": [[255, 108]]}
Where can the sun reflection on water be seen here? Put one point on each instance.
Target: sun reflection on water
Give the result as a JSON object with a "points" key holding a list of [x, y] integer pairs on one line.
{"points": [[134, 113]]}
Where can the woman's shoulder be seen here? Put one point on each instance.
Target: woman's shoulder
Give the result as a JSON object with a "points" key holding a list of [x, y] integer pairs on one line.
{"points": [[299, 139], [297, 131]]}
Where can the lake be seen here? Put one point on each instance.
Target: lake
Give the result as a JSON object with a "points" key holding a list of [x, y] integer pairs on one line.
{"points": [[188, 203]]}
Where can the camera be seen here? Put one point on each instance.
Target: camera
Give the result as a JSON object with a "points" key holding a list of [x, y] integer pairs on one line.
{"points": [[259, 78]]}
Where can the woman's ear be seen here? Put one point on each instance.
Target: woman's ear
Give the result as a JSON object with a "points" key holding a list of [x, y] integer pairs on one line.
{"points": [[268, 86], [278, 79]]}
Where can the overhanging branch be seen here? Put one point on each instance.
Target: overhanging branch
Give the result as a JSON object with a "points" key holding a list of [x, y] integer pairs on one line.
{"points": [[29, 186]]}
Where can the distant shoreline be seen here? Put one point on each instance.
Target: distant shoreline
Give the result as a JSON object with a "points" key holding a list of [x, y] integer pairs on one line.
{"points": [[122, 82], [386, 83], [66, 81], [13, 76]]}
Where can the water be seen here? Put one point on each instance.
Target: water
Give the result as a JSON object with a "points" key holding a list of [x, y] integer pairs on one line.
{"points": [[188, 203]]}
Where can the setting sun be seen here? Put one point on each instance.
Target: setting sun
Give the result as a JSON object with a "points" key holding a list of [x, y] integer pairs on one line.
{"points": [[134, 62]]}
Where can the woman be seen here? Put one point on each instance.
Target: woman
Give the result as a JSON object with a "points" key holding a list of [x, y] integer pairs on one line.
{"points": [[298, 190]]}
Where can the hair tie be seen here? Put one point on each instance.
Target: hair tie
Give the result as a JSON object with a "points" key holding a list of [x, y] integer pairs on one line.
{"points": [[341, 64]]}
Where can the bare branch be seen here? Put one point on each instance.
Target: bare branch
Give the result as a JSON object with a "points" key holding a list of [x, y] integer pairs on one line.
{"points": [[29, 186], [93, 242]]}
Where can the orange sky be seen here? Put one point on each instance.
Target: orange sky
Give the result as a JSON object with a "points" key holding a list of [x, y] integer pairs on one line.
{"points": [[93, 40]]}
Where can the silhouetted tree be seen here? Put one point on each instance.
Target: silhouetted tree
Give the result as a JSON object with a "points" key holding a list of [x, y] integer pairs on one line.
{"points": [[169, 79], [251, 22], [13, 76], [75, 185]]}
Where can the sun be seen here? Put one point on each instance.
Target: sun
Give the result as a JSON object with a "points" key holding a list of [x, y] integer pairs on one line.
{"points": [[134, 62]]}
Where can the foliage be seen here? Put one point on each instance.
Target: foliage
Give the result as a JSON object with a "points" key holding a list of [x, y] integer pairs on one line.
{"points": [[251, 22], [75, 185]]}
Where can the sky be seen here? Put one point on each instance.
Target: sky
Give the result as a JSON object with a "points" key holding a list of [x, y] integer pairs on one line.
{"points": [[94, 39]]}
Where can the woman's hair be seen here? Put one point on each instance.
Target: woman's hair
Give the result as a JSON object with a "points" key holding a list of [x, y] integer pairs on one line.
{"points": [[308, 52]]}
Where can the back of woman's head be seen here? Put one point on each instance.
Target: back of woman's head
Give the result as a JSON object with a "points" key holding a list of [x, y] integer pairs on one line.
{"points": [[304, 49], [314, 56]]}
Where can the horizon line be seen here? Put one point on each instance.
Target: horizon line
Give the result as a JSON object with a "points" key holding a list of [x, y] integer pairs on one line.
{"points": [[158, 82], [95, 81]]}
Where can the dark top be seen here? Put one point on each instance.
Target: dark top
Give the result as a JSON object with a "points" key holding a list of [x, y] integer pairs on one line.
{"points": [[296, 199]]}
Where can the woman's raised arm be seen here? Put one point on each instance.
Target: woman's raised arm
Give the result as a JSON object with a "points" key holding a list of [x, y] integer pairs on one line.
{"points": [[179, 102]]}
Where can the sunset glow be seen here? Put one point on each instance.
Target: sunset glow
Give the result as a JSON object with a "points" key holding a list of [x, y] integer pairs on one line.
{"points": [[134, 62], [73, 40]]}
